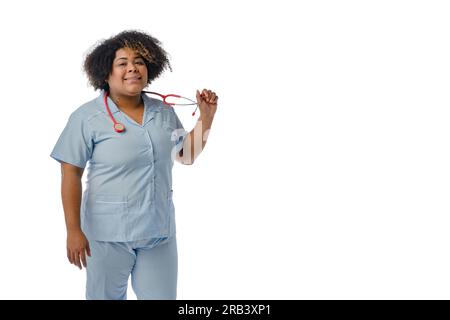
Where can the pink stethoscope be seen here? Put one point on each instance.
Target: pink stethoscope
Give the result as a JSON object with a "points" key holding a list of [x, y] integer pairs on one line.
{"points": [[119, 127]]}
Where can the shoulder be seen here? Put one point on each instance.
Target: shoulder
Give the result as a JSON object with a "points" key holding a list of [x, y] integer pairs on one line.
{"points": [[155, 105], [164, 111], [88, 110]]}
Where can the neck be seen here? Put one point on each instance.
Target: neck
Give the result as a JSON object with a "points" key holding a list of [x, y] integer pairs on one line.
{"points": [[126, 102]]}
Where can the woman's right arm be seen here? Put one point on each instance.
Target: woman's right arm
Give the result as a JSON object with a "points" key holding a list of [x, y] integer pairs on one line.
{"points": [[71, 193]]}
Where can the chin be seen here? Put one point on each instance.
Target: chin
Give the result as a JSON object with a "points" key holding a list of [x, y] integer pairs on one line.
{"points": [[134, 91]]}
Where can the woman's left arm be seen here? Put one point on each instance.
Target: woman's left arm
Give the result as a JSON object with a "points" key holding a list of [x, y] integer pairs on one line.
{"points": [[196, 139]]}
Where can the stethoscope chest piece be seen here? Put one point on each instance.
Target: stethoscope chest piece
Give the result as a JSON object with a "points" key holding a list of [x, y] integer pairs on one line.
{"points": [[119, 127]]}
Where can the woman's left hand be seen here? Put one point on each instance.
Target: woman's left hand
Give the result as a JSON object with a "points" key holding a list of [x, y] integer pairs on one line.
{"points": [[207, 102]]}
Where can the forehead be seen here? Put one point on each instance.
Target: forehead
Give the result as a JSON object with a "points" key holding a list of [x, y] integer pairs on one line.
{"points": [[126, 53]]}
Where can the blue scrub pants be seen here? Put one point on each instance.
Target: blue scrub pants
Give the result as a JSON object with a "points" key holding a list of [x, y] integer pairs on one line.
{"points": [[152, 263]]}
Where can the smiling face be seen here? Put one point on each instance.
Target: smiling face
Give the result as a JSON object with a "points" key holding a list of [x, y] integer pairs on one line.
{"points": [[129, 73]]}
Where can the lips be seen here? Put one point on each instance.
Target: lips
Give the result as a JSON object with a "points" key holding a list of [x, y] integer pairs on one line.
{"points": [[133, 78]]}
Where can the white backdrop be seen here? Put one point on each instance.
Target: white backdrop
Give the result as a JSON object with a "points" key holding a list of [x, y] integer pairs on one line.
{"points": [[326, 173]]}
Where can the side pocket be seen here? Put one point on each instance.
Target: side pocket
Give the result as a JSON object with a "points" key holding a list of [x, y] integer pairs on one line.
{"points": [[107, 204]]}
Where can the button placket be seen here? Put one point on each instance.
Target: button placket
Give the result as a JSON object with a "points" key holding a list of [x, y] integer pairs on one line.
{"points": [[152, 164]]}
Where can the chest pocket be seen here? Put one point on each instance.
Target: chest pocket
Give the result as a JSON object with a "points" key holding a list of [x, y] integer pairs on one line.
{"points": [[107, 204]]}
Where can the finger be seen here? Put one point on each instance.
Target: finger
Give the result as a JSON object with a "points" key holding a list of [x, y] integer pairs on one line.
{"points": [[69, 257], [83, 258], [88, 249], [207, 97], [72, 257], [77, 259]]}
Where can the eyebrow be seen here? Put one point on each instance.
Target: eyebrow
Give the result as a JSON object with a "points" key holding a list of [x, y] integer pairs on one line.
{"points": [[135, 57]]}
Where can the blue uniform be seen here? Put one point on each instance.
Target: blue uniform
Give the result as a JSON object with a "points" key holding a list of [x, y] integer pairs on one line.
{"points": [[128, 195]]}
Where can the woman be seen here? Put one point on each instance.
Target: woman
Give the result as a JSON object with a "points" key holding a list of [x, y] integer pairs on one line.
{"points": [[125, 221]]}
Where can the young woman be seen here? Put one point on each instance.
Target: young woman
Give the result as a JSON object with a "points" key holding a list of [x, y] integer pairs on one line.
{"points": [[124, 222]]}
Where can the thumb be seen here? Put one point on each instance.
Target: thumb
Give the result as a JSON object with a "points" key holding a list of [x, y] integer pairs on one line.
{"points": [[198, 96], [88, 249]]}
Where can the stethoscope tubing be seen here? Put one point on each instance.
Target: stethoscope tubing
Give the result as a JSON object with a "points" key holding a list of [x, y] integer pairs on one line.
{"points": [[119, 127]]}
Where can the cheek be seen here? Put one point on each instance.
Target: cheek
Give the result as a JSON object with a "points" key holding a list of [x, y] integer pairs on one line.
{"points": [[116, 76], [144, 72]]}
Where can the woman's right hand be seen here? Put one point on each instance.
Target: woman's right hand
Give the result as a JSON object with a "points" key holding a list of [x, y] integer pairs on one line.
{"points": [[77, 248]]}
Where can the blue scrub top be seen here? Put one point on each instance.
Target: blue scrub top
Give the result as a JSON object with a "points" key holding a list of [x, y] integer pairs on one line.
{"points": [[128, 193]]}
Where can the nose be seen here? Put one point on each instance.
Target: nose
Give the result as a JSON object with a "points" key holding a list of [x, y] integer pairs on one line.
{"points": [[131, 67]]}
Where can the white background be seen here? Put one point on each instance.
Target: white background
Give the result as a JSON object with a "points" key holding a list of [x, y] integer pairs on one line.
{"points": [[326, 173]]}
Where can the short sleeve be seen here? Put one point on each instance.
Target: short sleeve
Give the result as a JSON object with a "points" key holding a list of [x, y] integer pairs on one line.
{"points": [[179, 134], [75, 144]]}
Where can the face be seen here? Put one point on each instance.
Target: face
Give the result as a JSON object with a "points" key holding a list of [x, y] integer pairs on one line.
{"points": [[129, 73]]}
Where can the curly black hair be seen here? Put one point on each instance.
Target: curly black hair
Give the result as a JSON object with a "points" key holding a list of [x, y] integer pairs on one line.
{"points": [[98, 62]]}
